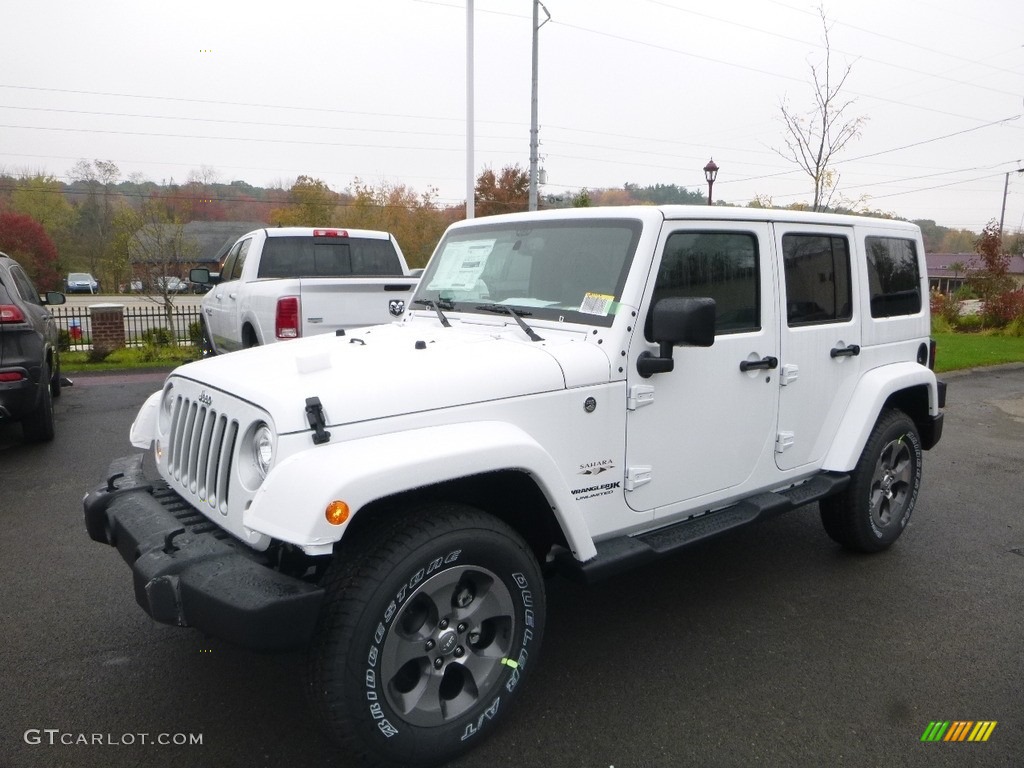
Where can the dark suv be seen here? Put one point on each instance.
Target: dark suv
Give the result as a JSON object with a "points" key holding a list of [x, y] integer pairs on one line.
{"points": [[29, 354]]}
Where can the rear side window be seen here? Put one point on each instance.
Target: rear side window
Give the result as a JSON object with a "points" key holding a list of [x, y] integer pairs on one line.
{"points": [[329, 257], [243, 249], [893, 277], [26, 290], [817, 279], [718, 265]]}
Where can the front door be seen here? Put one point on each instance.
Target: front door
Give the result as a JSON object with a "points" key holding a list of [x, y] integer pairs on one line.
{"points": [[820, 360], [700, 433]]}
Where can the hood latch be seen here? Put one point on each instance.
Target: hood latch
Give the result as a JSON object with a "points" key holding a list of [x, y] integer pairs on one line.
{"points": [[315, 417]]}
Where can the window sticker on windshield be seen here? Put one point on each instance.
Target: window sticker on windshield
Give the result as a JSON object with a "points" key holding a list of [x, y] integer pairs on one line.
{"points": [[461, 265], [596, 304]]}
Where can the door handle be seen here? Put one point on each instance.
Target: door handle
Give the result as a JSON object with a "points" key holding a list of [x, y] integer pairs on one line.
{"points": [[765, 363], [851, 351]]}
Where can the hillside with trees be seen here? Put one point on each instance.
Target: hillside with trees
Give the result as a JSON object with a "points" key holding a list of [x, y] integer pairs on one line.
{"points": [[90, 222]]}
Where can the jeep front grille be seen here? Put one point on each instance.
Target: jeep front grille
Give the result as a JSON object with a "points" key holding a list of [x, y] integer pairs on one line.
{"points": [[200, 446]]}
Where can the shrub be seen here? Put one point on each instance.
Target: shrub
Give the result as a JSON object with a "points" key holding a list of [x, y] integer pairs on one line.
{"points": [[1002, 309], [158, 337], [946, 306], [195, 333], [969, 323], [98, 354], [63, 340], [1015, 328]]}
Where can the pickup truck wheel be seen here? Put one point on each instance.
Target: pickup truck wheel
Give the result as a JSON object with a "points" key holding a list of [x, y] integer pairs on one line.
{"points": [[428, 627], [38, 426], [876, 506], [208, 348]]}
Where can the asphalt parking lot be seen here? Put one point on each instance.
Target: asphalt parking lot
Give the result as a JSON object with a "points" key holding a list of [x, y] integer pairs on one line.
{"points": [[767, 647]]}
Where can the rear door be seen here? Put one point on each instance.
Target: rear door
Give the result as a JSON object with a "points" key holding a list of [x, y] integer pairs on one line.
{"points": [[821, 338], [221, 304]]}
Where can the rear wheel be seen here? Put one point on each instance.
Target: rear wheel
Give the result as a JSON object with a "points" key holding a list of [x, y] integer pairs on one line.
{"points": [[38, 426], [876, 506], [429, 625], [55, 388]]}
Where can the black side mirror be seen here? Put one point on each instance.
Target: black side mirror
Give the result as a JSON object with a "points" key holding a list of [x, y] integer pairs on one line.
{"points": [[200, 275], [53, 298], [678, 322]]}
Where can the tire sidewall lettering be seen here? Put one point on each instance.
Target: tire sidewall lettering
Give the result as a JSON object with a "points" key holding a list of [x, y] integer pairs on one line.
{"points": [[387, 724]]}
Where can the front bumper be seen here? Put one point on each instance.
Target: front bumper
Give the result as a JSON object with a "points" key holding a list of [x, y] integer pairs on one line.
{"points": [[189, 572]]}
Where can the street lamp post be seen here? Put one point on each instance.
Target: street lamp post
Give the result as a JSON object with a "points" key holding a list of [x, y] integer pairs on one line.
{"points": [[710, 173]]}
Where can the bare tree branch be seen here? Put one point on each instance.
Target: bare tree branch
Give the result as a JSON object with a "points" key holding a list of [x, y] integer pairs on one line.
{"points": [[814, 138]]}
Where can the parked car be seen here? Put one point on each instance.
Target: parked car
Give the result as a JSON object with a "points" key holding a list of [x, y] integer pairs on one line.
{"points": [[29, 353], [81, 282], [171, 283]]}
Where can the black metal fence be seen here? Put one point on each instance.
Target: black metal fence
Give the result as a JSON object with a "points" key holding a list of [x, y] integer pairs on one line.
{"points": [[141, 325]]}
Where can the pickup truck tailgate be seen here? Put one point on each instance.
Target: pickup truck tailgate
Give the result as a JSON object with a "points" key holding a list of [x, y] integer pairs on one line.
{"points": [[331, 303]]}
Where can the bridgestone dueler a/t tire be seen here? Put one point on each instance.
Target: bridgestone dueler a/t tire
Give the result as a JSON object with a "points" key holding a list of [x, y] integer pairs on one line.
{"points": [[431, 621], [871, 513]]}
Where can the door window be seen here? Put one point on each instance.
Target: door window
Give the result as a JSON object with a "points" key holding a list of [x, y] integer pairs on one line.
{"points": [[718, 265], [236, 271], [817, 279]]}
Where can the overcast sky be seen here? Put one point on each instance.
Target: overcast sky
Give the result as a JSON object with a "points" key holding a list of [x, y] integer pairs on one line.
{"points": [[642, 91]]}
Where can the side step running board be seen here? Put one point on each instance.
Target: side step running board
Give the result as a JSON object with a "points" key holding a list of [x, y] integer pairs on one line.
{"points": [[625, 552]]}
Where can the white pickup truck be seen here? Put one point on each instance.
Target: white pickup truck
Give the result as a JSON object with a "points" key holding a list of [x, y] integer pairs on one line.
{"points": [[287, 282], [577, 391]]}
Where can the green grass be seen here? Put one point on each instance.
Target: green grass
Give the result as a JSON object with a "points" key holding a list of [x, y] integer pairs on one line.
{"points": [[973, 350], [129, 359]]}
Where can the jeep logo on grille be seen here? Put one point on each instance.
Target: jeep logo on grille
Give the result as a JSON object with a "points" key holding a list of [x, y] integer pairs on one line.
{"points": [[396, 307], [205, 399]]}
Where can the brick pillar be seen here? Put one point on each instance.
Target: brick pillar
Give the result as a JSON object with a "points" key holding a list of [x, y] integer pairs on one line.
{"points": [[107, 321]]}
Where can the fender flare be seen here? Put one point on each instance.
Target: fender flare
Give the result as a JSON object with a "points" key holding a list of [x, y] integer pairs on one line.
{"points": [[364, 470], [873, 389]]}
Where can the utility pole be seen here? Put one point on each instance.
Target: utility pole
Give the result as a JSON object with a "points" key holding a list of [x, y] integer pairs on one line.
{"points": [[537, 5], [470, 185], [1006, 188]]}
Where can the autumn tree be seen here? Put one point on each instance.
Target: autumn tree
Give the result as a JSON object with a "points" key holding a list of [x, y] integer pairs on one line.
{"points": [[94, 228], [24, 239], [155, 244], [311, 203], [41, 197], [991, 281], [814, 137], [414, 218], [505, 192]]}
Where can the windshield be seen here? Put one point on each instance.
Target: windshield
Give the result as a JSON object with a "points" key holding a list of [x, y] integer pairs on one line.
{"points": [[80, 276], [568, 271]]}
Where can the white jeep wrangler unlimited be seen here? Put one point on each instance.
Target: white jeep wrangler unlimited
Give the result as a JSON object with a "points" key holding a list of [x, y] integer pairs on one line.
{"points": [[581, 391]]}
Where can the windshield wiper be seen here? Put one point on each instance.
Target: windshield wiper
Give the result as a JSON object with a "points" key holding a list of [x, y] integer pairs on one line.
{"points": [[436, 306], [516, 314]]}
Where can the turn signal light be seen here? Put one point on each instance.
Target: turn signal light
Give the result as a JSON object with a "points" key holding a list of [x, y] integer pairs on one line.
{"points": [[337, 512]]}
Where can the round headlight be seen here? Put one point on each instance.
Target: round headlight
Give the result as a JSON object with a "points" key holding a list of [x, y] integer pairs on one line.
{"points": [[166, 408], [263, 449]]}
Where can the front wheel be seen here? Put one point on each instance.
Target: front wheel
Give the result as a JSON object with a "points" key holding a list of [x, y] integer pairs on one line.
{"points": [[431, 621], [871, 513]]}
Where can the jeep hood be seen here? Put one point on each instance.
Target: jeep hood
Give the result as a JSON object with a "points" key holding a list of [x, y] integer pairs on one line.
{"points": [[390, 370]]}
